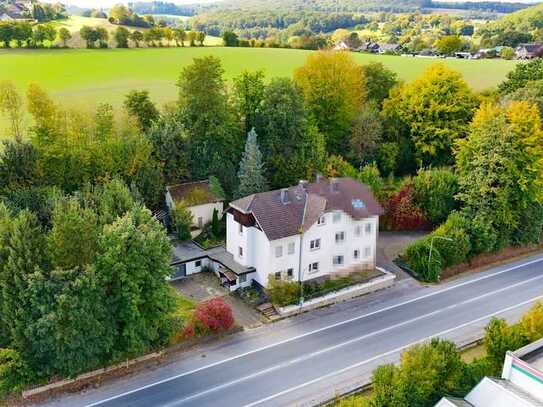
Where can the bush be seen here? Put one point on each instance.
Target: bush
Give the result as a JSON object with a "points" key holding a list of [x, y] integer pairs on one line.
{"points": [[214, 315], [530, 226], [402, 213], [532, 323], [282, 293], [499, 338], [457, 249], [426, 372], [434, 191], [182, 221], [371, 176], [483, 236], [14, 373], [417, 255]]}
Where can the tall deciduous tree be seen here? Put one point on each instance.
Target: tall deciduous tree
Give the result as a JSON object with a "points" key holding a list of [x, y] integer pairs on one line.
{"points": [[332, 84], [11, 106], [500, 165], [18, 166], [378, 81], [291, 144], [248, 95], [251, 169], [436, 110], [132, 265], [139, 105], [215, 139]]}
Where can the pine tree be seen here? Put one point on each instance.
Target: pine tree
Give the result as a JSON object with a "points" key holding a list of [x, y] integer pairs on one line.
{"points": [[251, 168]]}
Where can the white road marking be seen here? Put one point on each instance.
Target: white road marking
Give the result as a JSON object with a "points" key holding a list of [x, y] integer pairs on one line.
{"points": [[391, 352], [335, 325], [342, 344]]}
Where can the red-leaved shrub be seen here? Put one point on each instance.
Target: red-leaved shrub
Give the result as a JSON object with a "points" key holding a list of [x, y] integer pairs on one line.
{"points": [[214, 315], [402, 213]]}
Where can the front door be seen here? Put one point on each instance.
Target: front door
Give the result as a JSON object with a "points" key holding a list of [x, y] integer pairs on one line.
{"points": [[180, 271]]}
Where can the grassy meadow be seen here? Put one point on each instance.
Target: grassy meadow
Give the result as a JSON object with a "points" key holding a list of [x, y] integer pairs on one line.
{"points": [[80, 77]]}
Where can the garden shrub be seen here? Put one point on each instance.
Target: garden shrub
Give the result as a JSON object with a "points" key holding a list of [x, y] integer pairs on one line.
{"points": [[417, 255], [529, 226], [434, 191], [282, 293], [371, 176], [532, 323], [14, 373], [214, 315], [483, 236], [182, 221], [402, 213], [457, 250]]}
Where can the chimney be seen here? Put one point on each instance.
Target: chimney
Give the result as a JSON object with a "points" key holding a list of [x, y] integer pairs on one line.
{"points": [[284, 196], [334, 185]]}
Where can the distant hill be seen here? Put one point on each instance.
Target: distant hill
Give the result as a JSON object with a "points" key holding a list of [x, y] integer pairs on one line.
{"points": [[162, 8], [527, 20]]}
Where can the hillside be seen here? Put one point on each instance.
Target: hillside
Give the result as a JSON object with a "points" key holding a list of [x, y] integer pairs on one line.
{"points": [[525, 21]]}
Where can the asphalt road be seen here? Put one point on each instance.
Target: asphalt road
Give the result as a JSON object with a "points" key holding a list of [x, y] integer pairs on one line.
{"points": [[304, 359]]}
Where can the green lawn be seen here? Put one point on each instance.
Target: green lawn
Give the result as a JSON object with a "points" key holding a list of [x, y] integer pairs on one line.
{"points": [[86, 77]]}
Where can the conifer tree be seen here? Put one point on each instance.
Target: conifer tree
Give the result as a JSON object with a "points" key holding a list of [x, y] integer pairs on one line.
{"points": [[251, 169]]}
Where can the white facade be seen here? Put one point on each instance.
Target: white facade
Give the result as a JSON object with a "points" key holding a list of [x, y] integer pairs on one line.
{"points": [[201, 214], [334, 244]]}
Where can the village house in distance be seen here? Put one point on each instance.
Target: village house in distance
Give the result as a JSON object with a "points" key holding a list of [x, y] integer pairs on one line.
{"points": [[311, 230]]}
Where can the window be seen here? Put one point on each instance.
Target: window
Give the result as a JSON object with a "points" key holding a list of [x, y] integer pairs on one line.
{"points": [[278, 251], [357, 230], [240, 229], [315, 244], [337, 260], [367, 252], [313, 267], [356, 254], [337, 217], [240, 251], [340, 237], [291, 248], [278, 275], [321, 220], [368, 229], [198, 263], [242, 278], [290, 274]]}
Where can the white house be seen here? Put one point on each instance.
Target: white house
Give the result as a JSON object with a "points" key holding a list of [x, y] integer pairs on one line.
{"points": [[198, 198], [521, 384], [303, 232]]}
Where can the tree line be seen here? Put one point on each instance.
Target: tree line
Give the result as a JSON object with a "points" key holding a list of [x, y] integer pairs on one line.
{"points": [[24, 34]]}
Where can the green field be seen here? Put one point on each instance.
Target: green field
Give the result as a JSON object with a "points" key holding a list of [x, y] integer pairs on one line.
{"points": [[82, 77]]}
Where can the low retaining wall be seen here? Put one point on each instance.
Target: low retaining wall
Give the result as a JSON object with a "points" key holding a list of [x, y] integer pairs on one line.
{"points": [[87, 377], [378, 283]]}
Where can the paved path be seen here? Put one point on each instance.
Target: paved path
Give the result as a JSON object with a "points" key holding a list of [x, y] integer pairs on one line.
{"points": [[308, 358]]}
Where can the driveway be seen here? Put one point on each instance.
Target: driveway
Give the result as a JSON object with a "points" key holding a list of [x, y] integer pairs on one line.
{"points": [[205, 286], [390, 245]]}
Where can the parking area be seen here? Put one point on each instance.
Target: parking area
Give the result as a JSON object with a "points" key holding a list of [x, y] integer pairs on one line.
{"points": [[390, 245], [205, 286]]}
